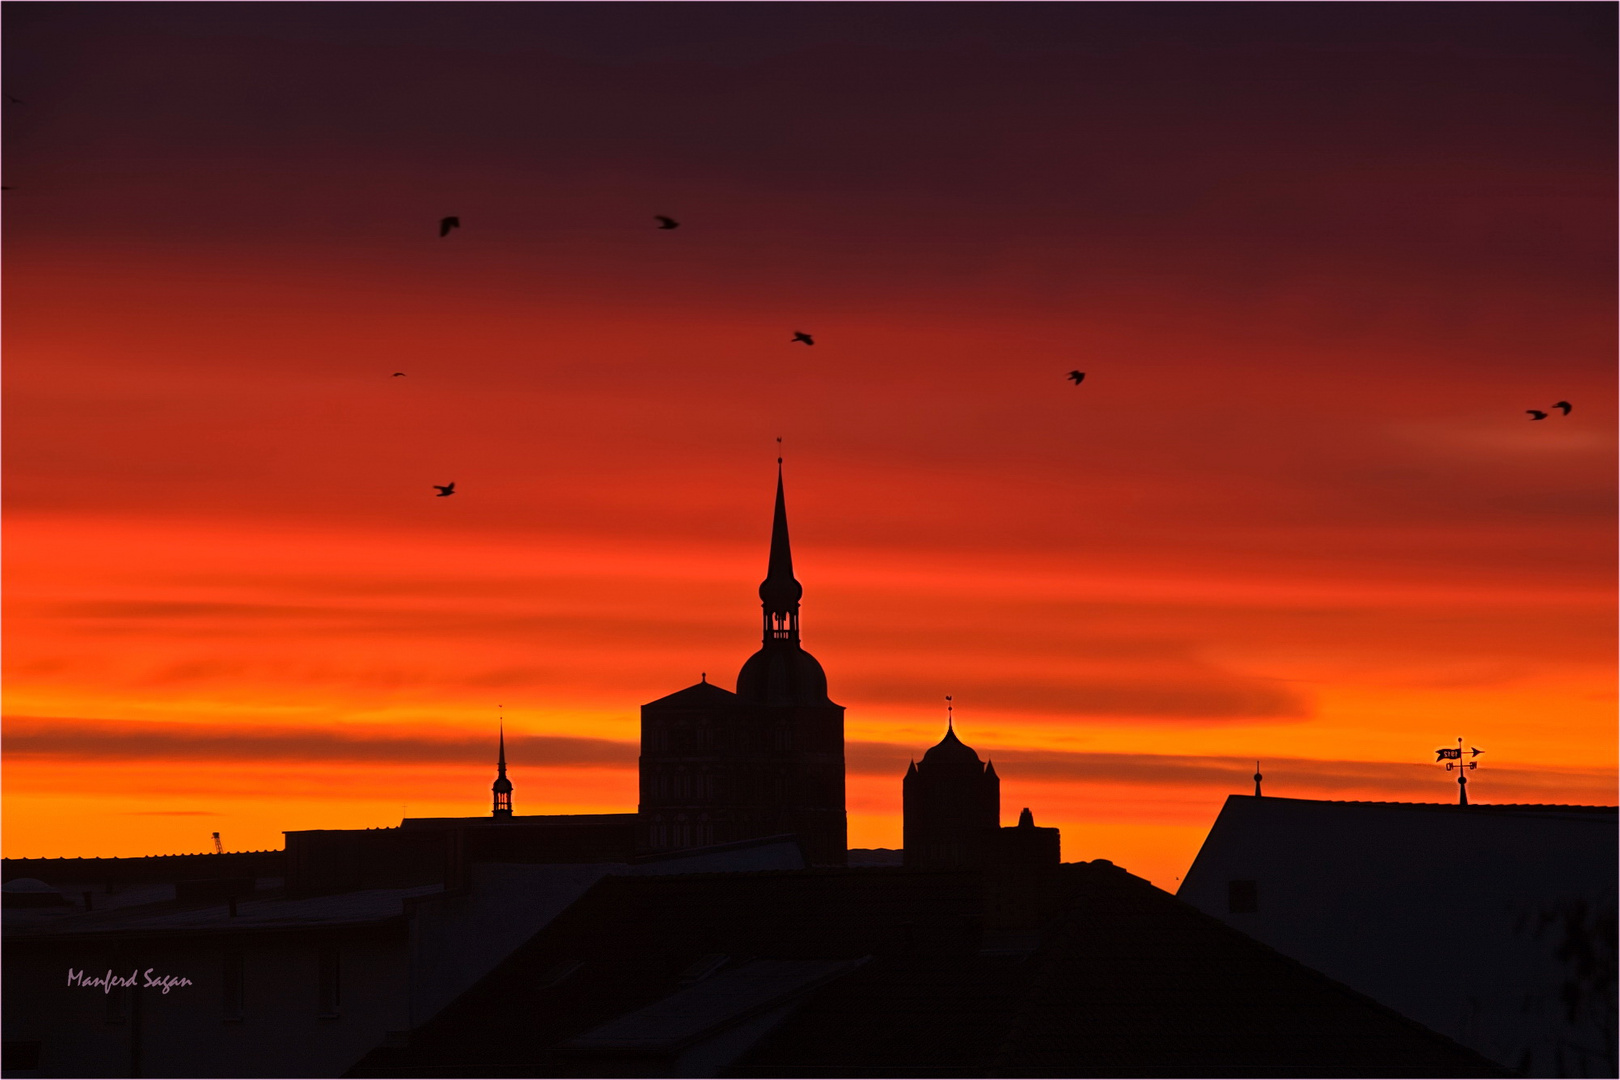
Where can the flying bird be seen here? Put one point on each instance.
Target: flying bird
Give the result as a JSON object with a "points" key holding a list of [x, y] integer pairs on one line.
{"points": [[446, 224], [666, 222], [445, 489], [398, 375], [1536, 414], [800, 335], [1566, 406], [1076, 377]]}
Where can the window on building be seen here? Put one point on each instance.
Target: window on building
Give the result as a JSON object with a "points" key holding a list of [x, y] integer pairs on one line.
{"points": [[231, 1000], [331, 981], [1242, 896]]}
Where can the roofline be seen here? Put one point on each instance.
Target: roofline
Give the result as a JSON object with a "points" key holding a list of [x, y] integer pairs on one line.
{"points": [[1472, 806]]}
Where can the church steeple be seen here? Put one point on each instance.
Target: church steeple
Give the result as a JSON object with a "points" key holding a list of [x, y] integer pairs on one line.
{"points": [[780, 592], [502, 787]]}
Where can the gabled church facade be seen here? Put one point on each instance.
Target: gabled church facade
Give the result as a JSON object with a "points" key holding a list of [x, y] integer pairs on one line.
{"points": [[718, 766]]}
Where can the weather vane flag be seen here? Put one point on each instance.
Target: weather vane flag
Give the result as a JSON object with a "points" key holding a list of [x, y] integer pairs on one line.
{"points": [[1453, 757]]}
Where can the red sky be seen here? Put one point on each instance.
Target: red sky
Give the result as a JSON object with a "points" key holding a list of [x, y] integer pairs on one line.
{"points": [[1316, 262]]}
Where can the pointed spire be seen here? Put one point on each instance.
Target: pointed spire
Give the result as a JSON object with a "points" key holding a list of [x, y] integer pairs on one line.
{"points": [[781, 564], [502, 787], [780, 592]]}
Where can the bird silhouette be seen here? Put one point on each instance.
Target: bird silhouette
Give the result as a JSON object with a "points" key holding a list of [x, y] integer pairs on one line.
{"points": [[446, 224], [1536, 414], [445, 489], [1566, 406], [398, 375], [1076, 377], [666, 222], [800, 335]]}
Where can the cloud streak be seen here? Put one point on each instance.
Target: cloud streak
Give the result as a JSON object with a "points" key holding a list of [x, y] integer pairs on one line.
{"points": [[111, 741], [130, 740]]}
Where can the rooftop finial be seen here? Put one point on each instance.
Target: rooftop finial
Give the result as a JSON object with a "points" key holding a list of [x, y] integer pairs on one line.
{"points": [[1454, 760], [949, 718], [779, 449], [1257, 779]]}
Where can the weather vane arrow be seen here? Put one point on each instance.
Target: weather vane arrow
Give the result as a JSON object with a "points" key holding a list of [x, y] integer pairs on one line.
{"points": [[1452, 756]]}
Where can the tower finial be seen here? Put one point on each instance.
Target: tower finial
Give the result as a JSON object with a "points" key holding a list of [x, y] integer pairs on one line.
{"points": [[1257, 779], [949, 716], [779, 454]]}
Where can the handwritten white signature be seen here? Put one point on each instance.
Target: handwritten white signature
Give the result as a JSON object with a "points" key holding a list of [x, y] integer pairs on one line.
{"points": [[108, 982]]}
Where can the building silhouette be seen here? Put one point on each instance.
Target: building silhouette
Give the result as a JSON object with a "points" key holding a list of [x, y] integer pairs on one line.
{"points": [[721, 930], [1492, 924], [502, 787], [719, 767], [952, 806]]}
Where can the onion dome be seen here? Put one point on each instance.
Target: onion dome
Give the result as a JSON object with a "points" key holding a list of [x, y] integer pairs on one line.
{"points": [[952, 751]]}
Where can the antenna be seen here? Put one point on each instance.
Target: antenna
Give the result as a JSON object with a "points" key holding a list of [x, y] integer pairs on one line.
{"points": [[1257, 779], [1453, 757], [219, 848]]}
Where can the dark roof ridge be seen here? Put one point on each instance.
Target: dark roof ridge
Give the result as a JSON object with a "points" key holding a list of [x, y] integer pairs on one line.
{"points": [[1590, 807]]}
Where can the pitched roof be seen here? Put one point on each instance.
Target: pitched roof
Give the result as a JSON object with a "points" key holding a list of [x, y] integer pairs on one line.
{"points": [[700, 695], [880, 971]]}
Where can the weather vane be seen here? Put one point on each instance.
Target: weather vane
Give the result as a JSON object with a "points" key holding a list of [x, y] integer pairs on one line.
{"points": [[1453, 757]]}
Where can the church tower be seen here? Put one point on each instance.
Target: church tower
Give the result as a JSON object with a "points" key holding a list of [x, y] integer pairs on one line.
{"points": [[952, 807], [768, 760], [502, 788]]}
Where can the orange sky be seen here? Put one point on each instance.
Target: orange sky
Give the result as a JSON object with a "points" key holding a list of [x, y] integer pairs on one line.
{"points": [[1296, 512]]}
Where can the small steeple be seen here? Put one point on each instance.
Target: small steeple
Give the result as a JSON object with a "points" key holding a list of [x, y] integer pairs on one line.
{"points": [[502, 787], [780, 592]]}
